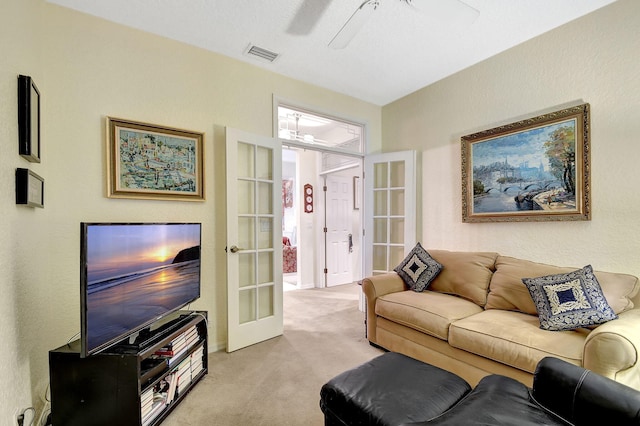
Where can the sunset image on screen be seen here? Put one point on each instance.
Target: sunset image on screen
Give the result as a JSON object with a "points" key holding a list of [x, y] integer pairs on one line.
{"points": [[116, 251]]}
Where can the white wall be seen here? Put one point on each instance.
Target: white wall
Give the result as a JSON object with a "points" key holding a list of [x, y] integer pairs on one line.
{"points": [[87, 69], [593, 59], [308, 223]]}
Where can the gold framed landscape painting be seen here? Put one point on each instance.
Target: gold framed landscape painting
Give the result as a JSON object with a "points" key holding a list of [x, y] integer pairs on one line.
{"points": [[537, 169], [154, 162]]}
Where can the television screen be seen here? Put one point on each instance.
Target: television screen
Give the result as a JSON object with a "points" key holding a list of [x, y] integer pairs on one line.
{"points": [[132, 275]]}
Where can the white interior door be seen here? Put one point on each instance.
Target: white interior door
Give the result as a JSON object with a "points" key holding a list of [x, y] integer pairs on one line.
{"points": [[339, 206], [254, 238], [390, 209]]}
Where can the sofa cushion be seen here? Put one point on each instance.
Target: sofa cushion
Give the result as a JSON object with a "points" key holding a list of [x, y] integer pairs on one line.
{"points": [[508, 292], [465, 274], [418, 269], [515, 339], [428, 312], [568, 301]]}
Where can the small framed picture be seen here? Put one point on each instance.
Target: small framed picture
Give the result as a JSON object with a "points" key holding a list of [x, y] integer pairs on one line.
{"points": [[28, 119], [29, 188]]}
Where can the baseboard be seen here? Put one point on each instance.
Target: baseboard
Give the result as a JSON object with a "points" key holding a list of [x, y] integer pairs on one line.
{"points": [[216, 347], [306, 286]]}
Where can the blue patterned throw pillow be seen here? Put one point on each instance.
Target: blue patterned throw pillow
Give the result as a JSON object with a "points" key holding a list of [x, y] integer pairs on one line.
{"points": [[418, 269], [569, 301]]}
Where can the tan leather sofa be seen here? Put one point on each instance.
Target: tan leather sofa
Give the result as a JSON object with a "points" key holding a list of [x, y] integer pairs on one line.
{"points": [[478, 318]]}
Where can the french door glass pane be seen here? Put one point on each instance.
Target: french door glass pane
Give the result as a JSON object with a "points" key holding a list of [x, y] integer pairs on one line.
{"points": [[264, 169], [265, 267], [265, 301], [245, 166], [397, 174], [246, 233], [380, 230], [380, 175], [380, 258], [396, 255], [396, 234], [380, 203], [397, 202], [247, 269], [265, 197], [265, 232], [247, 312], [246, 197]]}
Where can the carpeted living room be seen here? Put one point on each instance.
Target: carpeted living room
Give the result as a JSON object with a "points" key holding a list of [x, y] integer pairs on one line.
{"points": [[445, 83], [278, 382]]}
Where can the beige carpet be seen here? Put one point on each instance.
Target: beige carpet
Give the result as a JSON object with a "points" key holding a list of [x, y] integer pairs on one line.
{"points": [[278, 382]]}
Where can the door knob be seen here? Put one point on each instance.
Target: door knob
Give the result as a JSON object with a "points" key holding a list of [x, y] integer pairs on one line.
{"points": [[235, 249]]}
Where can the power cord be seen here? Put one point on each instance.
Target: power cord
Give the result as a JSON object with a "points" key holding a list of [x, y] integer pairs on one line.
{"points": [[206, 320], [45, 417], [22, 415], [72, 338]]}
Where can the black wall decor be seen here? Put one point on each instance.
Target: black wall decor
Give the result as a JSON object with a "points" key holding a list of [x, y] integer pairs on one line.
{"points": [[28, 119], [29, 188]]}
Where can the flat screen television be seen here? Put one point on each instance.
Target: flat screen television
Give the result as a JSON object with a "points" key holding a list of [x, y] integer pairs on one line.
{"points": [[132, 275]]}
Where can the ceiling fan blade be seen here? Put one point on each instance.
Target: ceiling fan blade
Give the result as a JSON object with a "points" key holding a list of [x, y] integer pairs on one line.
{"points": [[453, 12], [307, 16], [354, 24]]}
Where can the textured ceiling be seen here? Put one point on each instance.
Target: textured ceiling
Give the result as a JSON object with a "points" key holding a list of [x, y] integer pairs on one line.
{"points": [[400, 49]]}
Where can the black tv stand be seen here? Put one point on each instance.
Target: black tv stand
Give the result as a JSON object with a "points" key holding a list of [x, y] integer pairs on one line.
{"points": [[130, 384]]}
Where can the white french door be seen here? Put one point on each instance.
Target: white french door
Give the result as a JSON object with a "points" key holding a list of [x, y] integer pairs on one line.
{"points": [[254, 238], [390, 209]]}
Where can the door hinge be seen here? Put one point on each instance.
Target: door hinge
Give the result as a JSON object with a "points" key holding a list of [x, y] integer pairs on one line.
{"points": [[326, 271], [324, 188], [325, 230]]}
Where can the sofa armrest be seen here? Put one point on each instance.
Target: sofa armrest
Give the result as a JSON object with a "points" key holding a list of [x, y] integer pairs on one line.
{"points": [[583, 397], [613, 349], [374, 287]]}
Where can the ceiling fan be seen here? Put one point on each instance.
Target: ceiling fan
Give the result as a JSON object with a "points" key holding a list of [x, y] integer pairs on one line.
{"points": [[456, 10]]}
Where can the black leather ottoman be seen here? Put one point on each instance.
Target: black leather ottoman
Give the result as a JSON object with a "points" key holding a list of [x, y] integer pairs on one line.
{"points": [[390, 390]]}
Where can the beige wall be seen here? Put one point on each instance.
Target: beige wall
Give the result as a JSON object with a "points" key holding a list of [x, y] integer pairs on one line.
{"points": [[23, 283], [593, 59], [88, 69]]}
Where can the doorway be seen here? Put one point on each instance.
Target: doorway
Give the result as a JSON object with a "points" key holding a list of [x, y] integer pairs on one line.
{"points": [[290, 220], [325, 154]]}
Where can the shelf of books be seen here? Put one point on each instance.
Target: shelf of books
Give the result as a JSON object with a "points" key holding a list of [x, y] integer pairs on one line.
{"points": [[184, 365], [170, 387]]}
